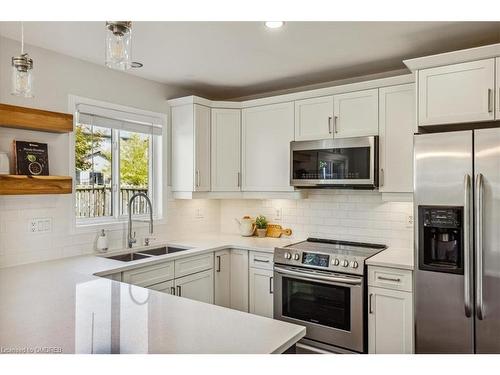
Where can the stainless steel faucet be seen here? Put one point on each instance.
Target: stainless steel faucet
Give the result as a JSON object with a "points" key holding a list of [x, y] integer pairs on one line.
{"points": [[131, 236]]}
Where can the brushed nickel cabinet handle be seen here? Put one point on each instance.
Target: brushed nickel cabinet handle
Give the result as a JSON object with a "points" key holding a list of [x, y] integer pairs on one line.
{"points": [[490, 100], [172, 290], [218, 263], [179, 290], [330, 124], [261, 260], [382, 177], [370, 310], [335, 130], [397, 280], [271, 289]]}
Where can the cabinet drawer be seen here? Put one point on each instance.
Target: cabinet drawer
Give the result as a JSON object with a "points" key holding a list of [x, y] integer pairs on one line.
{"points": [[390, 278], [194, 264], [261, 260], [149, 275]]}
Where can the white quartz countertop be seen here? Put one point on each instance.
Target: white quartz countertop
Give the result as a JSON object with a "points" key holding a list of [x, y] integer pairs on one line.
{"points": [[61, 306], [393, 257]]}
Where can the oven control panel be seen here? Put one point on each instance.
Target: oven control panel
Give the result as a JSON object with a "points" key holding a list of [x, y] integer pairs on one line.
{"points": [[333, 262]]}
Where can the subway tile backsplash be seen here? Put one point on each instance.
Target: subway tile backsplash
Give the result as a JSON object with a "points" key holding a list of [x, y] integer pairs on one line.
{"points": [[340, 214]]}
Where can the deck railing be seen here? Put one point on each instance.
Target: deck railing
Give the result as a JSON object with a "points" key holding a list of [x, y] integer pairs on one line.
{"points": [[96, 201]]}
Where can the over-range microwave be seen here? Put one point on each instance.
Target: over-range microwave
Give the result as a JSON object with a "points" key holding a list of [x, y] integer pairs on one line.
{"points": [[335, 163]]}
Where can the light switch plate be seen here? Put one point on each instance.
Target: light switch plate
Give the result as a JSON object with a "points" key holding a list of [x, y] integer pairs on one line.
{"points": [[278, 214]]}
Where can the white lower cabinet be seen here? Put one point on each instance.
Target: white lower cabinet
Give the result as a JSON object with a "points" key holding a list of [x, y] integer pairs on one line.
{"points": [[261, 292], [390, 315], [165, 287], [222, 278], [199, 286], [239, 279]]}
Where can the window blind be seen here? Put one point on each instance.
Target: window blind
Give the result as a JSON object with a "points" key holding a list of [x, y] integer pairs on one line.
{"points": [[114, 119]]}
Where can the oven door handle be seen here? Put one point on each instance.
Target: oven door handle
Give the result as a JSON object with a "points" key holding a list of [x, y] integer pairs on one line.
{"points": [[313, 276]]}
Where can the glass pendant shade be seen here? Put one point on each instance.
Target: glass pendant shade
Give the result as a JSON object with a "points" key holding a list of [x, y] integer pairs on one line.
{"points": [[22, 76], [118, 45]]}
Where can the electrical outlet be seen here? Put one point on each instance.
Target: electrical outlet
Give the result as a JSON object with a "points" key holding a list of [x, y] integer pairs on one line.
{"points": [[41, 225], [198, 213], [278, 214], [409, 221]]}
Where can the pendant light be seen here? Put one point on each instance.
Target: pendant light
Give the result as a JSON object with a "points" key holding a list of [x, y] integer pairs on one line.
{"points": [[22, 72], [118, 44]]}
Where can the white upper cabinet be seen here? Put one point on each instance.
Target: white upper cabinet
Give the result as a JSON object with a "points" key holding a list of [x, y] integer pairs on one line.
{"points": [[456, 93], [314, 118], [355, 114], [190, 148], [202, 150], [226, 149], [396, 128], [266, 135]]}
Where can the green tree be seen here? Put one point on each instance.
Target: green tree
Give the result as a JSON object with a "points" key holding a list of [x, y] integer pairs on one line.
{"points": [[85, 143], [134, 156]]}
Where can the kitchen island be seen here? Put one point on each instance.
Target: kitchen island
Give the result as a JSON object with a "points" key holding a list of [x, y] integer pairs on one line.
{"points": [[62, 307]]}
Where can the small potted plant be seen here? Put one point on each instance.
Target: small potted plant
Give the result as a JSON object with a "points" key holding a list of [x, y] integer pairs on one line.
{"points": [[261, 225]]}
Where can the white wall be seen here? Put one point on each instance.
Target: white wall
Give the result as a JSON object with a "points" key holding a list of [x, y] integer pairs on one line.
{"points": [[56, 77], [339, 214]]}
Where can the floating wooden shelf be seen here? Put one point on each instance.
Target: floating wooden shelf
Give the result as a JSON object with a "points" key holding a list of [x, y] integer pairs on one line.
{"points": [[25, 185], [12, 116]]}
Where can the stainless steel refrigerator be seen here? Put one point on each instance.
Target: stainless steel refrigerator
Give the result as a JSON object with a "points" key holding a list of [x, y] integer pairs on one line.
{"points": [[457, 241]]}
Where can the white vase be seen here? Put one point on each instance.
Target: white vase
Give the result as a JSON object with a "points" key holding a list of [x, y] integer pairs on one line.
{"points": [[4, 163]]}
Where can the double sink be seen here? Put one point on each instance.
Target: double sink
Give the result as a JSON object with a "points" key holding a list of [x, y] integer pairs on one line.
{"points": [[147, 253]]}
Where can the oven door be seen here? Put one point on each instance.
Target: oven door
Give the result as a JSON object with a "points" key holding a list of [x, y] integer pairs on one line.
{"points": [[349, 162], [329, 305]]}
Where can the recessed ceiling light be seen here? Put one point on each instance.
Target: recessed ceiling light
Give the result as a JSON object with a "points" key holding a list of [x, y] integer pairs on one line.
{"points": [[274, 24]]}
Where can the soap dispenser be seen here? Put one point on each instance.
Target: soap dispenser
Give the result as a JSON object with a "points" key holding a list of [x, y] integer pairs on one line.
{"points": [[102, 241]]}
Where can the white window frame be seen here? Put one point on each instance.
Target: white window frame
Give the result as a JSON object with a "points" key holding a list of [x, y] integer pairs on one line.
{"points": [[157, 180]]}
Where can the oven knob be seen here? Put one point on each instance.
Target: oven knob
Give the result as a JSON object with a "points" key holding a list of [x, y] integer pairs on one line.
{"points": [[288, 256], [336, 262], [345, 263], [354, 264], [296, 256]]}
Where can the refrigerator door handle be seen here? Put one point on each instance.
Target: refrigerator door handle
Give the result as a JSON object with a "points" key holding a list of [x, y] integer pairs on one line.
{"points": [[479, 247], [467, 262]]}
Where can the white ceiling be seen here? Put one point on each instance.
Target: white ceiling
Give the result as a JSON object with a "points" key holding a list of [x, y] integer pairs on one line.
{"points": [[224, 60]]}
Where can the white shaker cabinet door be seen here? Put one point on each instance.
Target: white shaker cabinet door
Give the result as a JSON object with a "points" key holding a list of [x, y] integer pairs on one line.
{"points": [[239, 279], [396, 128], [261, 292], [198, 286], [390, 321], [226, 149], [456, 93], [355, 114], [314, 118], [202, 148], [222, 278], [266, 135]]}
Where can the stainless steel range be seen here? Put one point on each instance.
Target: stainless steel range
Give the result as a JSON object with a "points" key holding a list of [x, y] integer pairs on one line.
{"points": [[321, 285]]}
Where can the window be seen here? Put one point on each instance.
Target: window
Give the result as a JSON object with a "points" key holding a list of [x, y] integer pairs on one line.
{"points": [[116, 156]]}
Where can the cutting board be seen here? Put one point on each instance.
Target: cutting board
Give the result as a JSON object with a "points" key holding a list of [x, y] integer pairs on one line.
{"points": [[275, 231]]}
